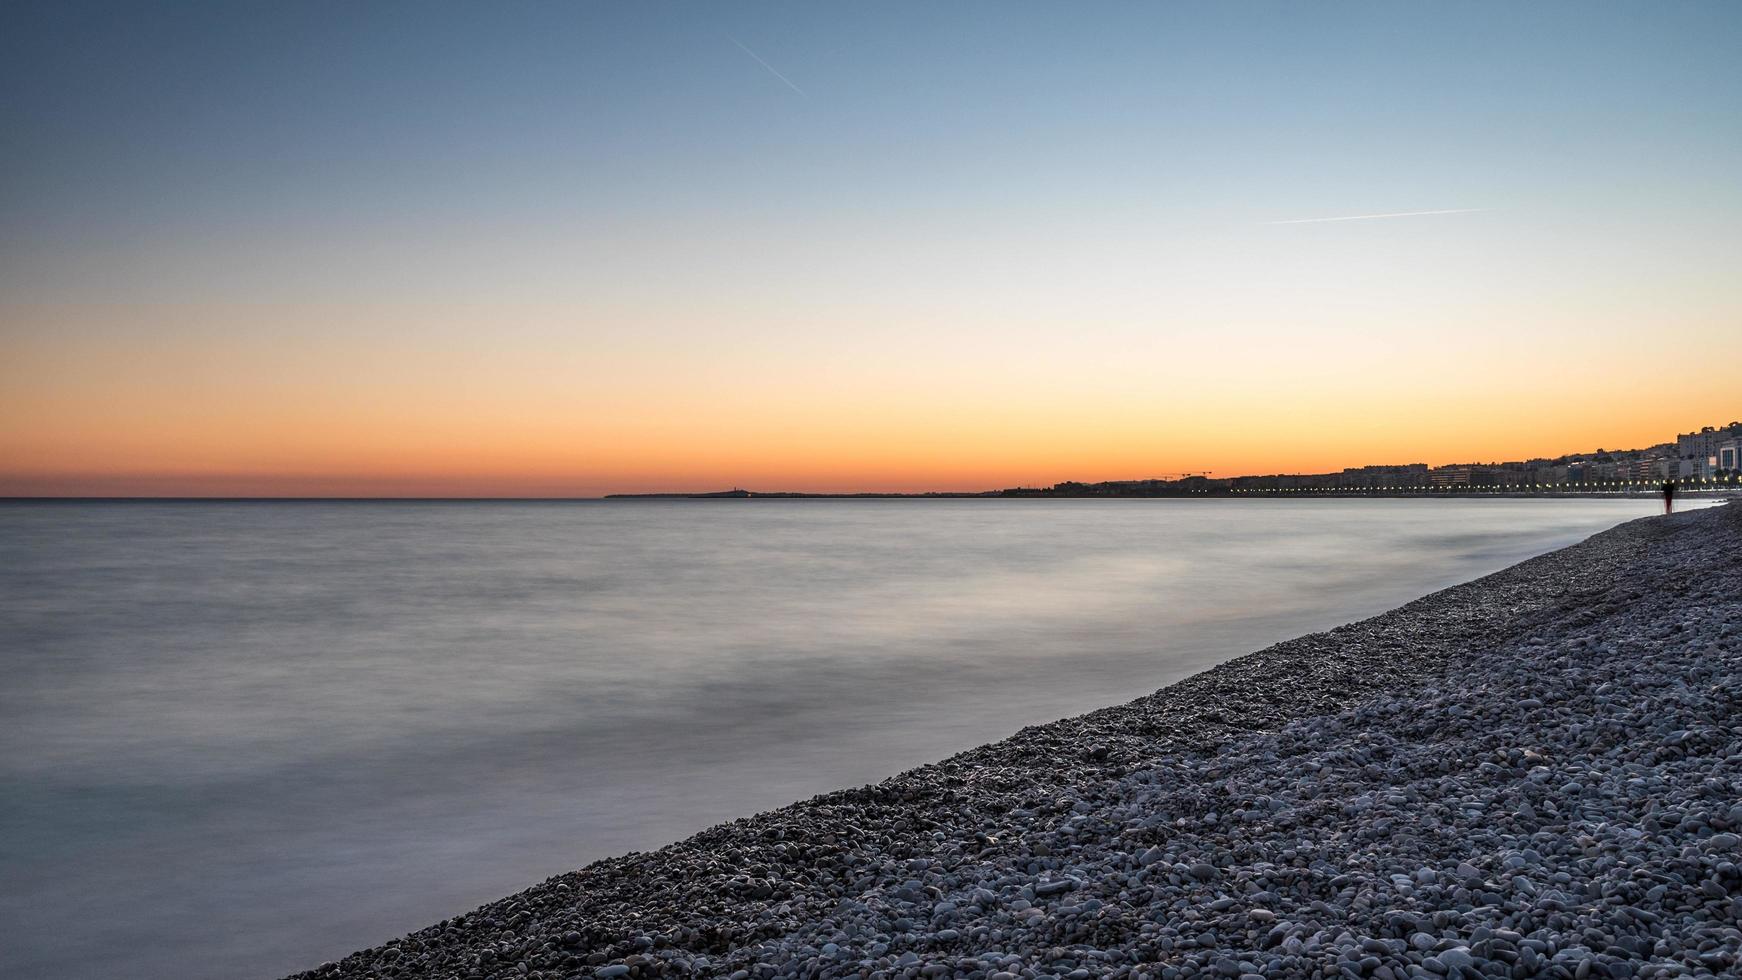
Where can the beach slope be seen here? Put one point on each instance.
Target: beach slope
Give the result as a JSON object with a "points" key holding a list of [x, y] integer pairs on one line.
{"points": [[1538, 773]]}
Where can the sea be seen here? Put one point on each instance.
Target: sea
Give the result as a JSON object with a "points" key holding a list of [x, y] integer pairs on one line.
{"points": [[241, 738]]}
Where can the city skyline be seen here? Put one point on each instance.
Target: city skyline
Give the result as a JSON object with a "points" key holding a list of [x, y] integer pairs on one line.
{"points": [[559, 250]]}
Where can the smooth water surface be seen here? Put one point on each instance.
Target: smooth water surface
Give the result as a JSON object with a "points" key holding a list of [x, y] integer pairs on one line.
{"points": [[240, 738]]}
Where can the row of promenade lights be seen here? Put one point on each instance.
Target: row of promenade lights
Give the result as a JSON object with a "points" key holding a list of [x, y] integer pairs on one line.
{"points": [[1615, 486]]}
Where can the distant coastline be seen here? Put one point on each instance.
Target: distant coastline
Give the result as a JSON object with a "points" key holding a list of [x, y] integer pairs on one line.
{"points": [[1707, 462], [1704, 461], [1720, 488]]}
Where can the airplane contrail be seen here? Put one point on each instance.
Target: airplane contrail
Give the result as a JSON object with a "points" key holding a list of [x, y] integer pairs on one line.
{"points": [[1368, 217], [771, 68]]}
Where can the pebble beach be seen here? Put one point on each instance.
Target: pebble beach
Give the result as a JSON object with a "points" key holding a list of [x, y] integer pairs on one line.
{"points": [[1537, 773]]}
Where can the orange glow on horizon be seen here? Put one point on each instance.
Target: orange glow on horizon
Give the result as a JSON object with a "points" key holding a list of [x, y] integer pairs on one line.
{"points": [[172, 402]]}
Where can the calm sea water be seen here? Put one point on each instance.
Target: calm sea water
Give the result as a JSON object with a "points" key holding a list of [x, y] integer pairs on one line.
{"points": [[237, 739]]}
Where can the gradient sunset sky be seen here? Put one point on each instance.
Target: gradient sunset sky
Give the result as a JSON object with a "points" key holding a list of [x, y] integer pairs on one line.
{"points": [[575, 248]]}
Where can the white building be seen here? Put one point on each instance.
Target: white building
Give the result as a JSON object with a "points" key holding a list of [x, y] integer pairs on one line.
{"points": [[1728, 455], [1704, 443]]}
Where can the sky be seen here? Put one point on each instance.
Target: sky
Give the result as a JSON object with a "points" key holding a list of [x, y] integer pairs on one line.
{"points": [[555, 249]]}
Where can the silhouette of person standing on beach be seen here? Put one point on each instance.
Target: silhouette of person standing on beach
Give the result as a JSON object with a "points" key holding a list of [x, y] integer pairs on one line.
{"points": [[1668, 495]]}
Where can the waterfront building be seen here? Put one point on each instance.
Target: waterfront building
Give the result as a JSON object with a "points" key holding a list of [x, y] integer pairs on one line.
{"points": [[1694, 445], [1647, 469], [1694, 469], [1703, 445], [1451, 476]]}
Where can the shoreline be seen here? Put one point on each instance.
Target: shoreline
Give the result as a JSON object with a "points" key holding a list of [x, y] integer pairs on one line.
{"points": [[1135, 840]]}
